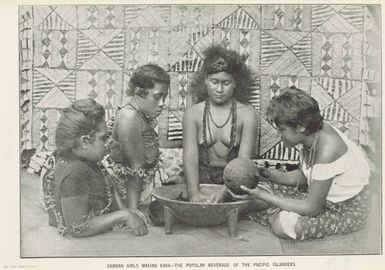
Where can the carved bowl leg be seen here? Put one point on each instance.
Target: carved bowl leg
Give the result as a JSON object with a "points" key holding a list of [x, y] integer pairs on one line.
{"points": [[232, 221], [169, 218]]}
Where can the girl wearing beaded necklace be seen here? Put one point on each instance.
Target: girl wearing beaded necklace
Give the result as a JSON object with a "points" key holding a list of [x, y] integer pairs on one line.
{"points": [[134, 159], [79, 196], [333, 169], [220, 127]]}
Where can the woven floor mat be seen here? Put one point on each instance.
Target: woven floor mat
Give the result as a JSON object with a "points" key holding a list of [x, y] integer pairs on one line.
{"points": [[332, 246]]}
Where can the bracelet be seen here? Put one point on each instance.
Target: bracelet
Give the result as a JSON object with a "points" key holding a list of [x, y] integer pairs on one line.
{"points": [[141, 215]]}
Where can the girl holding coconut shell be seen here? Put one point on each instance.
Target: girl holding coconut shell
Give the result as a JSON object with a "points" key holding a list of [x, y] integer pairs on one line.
{"points": [[333, 169]]}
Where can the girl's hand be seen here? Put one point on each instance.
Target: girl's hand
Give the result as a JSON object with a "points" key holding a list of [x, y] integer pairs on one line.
{"points": [[199, 197], [251, 194], [136, 223]]}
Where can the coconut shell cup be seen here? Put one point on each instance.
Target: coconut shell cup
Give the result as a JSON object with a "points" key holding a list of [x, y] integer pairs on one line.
{"points": [[240, 172]]}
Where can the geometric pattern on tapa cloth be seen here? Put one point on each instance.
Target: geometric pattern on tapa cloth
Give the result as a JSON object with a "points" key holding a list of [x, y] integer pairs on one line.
{"points": [[93, 16], [102, 49], [331, 59], [270, 85], [89, 85], [44, 125], [43, 146], [47, 80], [339, 100], [244, 41], [275, 42], [268, 137], [174, 131], [25, 71], [371, 75], [55, 47], [191, 61], [91, 50], [255, 93], [240, 19], [286, 17], [334, 19], [346, 102], [182, 90], [179, 96], [281, 152], [346, 56]]}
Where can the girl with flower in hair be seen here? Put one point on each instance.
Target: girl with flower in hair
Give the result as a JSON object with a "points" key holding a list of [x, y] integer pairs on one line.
{"points": [[333, 175], [80, 198], [221, 126]]}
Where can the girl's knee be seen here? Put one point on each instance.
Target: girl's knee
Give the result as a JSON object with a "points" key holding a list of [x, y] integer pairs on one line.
{"points": [[287, 225], [277, 229]]}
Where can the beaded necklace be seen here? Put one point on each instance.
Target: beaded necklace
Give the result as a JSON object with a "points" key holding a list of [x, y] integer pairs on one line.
{"points": [[206, 127], [227, 120]]}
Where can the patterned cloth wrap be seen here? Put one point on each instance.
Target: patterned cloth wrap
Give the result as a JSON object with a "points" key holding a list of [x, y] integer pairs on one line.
{"points": [[171, 160], [170, 164], [335, 218], [99, 189], [151, 178]]}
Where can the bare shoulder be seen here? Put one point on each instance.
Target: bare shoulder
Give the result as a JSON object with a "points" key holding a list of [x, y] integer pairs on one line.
{"points": [[194, 112], [331, 146], [126, 117], [246, 112]]}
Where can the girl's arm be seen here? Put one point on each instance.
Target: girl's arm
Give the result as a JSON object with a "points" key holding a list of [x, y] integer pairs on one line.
{"points": [[291, 178], [129, 129], [317, 192], [75, 210], [249, 132], [311, 206], [191, 154]]}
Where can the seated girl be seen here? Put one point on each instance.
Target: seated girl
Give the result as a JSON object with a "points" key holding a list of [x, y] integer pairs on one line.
{"points": [[134, 159], [81, 200], [333, 169], [221, 126]]}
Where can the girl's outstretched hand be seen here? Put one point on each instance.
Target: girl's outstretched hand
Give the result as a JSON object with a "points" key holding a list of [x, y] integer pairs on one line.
{"points": [[251, 193]]}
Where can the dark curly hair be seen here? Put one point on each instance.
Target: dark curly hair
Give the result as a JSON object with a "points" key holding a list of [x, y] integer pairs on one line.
{"points": [[295, 107], [80, 118], [145, 77], [218, 59]]}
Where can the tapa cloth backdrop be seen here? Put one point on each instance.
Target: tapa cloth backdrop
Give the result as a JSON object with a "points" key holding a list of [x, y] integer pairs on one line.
{"points": [[71, 52]]}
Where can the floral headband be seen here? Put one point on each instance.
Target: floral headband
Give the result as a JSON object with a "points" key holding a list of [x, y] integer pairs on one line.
{"points": [[219, 65]]}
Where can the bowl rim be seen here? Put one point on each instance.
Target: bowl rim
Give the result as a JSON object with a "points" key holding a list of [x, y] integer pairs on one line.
{"points": [[238, 202]]}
